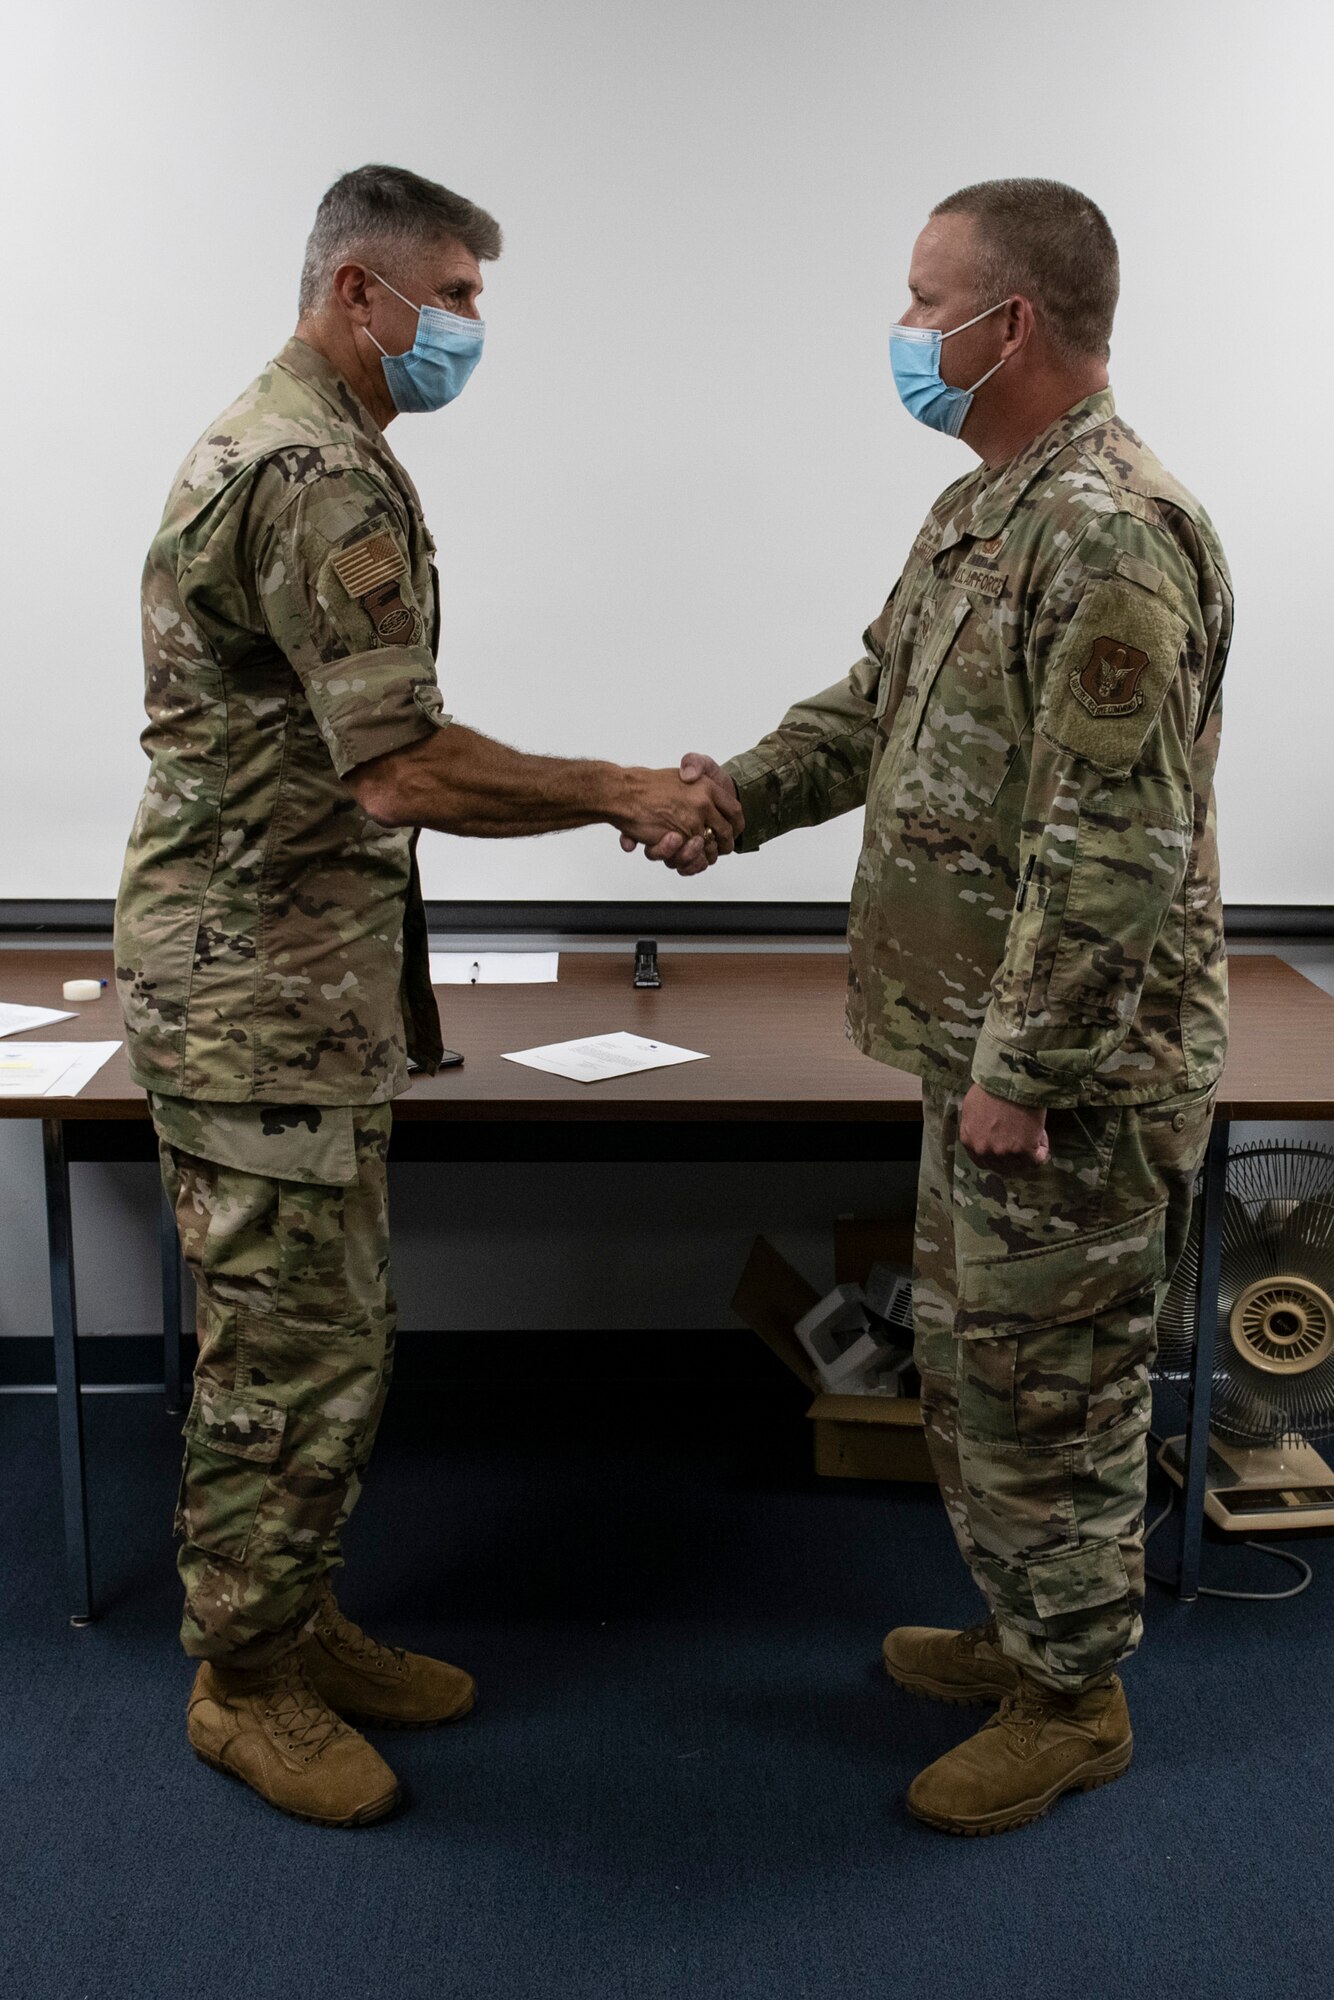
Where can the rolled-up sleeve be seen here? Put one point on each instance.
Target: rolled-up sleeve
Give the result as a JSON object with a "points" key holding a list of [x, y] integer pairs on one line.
{"points": [[336, 593]]}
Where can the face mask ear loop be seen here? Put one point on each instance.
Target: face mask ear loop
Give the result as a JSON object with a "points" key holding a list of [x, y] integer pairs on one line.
{"points": [[966, 324], [398, 295], [987, 377], [408, 302]]}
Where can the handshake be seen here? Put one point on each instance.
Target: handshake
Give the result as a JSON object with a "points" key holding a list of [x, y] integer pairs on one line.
{"points": [[684, 820]]}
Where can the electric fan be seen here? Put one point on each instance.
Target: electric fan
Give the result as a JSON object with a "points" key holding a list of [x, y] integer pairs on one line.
{"points": [[1274, 1358]]}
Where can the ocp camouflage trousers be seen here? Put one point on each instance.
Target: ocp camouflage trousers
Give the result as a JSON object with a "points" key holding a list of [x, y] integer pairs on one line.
{"points": [[296, 1328], [1034, 1302]]}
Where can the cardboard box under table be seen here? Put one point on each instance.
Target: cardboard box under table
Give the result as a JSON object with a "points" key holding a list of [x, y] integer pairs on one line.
{"points": [[856, 1437]]}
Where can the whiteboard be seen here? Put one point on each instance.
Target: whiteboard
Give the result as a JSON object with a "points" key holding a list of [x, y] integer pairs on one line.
{"points": [[680, 484]]}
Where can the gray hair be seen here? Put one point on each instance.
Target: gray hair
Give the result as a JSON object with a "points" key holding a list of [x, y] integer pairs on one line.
{"points": [[1048, 243], [386, 212]]}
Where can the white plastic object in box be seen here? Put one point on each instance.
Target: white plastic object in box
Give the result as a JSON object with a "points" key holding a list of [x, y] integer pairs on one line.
{"points": [[837, 1336]]}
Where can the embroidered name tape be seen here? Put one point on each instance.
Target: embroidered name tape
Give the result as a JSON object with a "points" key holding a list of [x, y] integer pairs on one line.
{"points": [[971, 577]]}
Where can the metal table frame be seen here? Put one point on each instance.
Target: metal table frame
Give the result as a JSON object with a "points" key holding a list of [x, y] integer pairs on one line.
{"points": [[425, 1140]]}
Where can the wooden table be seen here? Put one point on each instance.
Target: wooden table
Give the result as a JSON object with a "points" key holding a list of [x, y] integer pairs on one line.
{"points": [[782, 1081]]}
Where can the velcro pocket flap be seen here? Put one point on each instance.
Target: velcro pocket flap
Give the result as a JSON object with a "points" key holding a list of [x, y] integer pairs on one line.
{"points": [[935, 651], [1061, 1282], [234, 1424], [1075, 1580]]}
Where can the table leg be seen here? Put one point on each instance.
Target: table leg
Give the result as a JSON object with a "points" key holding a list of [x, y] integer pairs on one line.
{"points": [[69, 1400], [170, 1247], [1202, 1368]]}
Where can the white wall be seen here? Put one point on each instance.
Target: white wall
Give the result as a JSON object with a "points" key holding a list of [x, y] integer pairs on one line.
{"points": [[680, 484]]}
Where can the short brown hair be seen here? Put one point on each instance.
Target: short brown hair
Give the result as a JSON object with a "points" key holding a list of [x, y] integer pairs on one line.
{"points": [[378, 209], [1051, 245]]}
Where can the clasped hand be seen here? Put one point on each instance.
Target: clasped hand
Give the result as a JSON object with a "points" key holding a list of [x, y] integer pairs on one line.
{"points": [[682, 845]]}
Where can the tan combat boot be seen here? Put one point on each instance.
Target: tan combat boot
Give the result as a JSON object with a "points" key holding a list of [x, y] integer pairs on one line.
{"points": [[381, 1686], [961, 1667], [1041, 1744], [269, 1727]]}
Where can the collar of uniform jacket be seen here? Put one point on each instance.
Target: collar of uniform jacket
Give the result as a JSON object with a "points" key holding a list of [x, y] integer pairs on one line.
{"points": [[311, 368], [996, 499], [315, 373]]}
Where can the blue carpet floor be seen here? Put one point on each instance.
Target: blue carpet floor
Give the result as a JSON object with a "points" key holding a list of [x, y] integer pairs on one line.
{"points": [[685, 1775]]}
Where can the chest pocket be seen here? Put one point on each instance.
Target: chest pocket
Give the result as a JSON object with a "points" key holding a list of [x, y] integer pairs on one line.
{"points": [[907, 681], [961, 731]]}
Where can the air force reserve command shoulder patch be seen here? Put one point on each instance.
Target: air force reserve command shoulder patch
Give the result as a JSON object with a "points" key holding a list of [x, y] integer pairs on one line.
{"points": [[371, 570], [1108, 682], [1110, 673]]}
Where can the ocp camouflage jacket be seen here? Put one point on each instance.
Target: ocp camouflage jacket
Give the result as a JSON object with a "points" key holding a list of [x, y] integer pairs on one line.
{"points": [[1032, 730]]}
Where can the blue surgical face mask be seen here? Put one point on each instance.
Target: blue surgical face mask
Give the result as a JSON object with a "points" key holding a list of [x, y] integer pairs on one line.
{"points": [[914, 355], [438, 363]]}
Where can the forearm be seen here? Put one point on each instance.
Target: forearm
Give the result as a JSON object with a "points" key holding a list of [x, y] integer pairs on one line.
{"points": [[811, 768], [459, 781]]}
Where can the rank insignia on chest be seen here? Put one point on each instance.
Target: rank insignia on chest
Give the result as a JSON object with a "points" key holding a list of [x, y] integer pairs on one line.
{"points": [[1108, 682]]}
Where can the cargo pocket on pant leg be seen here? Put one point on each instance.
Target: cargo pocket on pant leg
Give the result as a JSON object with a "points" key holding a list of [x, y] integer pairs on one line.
{"points": [[1026, 1329], [312, 1252], [231, 1444], [1083, 1597]]}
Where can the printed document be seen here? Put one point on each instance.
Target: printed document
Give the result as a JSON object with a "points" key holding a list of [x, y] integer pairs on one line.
{"points": [[16, 1020], [50, 1069], [494, 968], [600, 1056]]}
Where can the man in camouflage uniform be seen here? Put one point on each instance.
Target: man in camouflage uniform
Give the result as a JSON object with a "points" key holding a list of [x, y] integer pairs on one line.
{"points": [[272, 964], [1036, 931]]}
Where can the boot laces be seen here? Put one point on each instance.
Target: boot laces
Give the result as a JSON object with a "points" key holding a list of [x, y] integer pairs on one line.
{"points": [[299, 1714], [1024, 1710], [350, 1638], [977, 1635]]}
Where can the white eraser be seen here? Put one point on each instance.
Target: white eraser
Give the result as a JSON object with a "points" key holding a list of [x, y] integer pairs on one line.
{"points": [[82, 989]]}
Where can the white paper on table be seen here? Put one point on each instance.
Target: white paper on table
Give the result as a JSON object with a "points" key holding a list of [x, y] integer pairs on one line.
{"points": [[494, 968], [50, 1069], [16, 1020], [600, 1056]]}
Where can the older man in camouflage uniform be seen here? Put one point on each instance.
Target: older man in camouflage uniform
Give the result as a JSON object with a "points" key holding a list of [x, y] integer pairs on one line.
{"points": [[1036, 931], [271, 958]]}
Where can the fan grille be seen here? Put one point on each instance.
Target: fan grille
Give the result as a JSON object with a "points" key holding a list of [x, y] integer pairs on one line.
{"points": [[1274, 1372], [1284, 1325]]}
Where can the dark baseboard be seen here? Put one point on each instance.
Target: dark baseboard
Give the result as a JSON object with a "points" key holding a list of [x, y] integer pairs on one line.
{"points": [[463, 1362], [61, 917], [1279, 920]]}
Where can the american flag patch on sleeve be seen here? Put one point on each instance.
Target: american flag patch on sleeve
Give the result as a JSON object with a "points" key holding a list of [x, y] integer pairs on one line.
{"points": [[367, 564]]}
